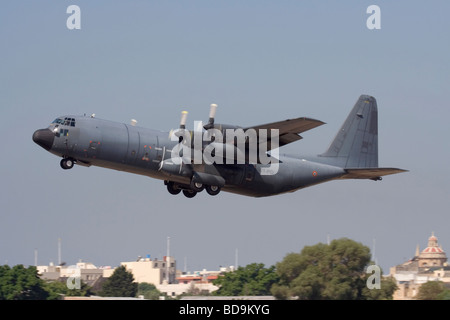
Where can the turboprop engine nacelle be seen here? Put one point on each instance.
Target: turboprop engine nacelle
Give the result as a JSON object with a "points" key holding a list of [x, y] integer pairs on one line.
{"points": [[175, 167]]}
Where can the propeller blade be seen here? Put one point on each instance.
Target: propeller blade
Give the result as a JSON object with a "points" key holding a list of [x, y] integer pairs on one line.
{"points": [[183, 119], [212, 113]]}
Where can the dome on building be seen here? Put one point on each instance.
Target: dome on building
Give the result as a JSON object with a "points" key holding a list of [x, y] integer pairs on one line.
{"points": [[433, 255], [433, 250]]}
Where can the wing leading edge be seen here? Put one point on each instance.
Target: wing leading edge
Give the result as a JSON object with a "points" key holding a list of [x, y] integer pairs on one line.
{"points": [[289, 130]]}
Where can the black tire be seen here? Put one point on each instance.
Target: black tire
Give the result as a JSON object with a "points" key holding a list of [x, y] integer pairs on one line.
{"points": [[171, 188], [67, 163], [189, 193], [212, 190], [197, 186]]}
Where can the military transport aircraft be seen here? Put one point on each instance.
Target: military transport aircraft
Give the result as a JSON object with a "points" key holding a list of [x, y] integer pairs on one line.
{"points": [[90, 141]]}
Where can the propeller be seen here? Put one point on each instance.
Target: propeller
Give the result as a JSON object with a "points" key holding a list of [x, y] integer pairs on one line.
{"points": [[168, 165], [212, 114], [182, 126], [183, 119]]}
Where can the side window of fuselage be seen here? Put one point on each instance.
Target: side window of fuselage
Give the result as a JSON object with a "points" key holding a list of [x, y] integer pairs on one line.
{"points": [[63, 133]]}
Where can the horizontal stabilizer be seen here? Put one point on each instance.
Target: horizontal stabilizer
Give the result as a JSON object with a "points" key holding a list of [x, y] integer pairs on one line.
{"points": [[370, 173]]}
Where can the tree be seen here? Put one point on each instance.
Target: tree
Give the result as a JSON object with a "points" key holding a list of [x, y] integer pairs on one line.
{"points": [[334, 271], [386, 292], [20, 283], [120, 284], [57, 289], [432, 290], [444, 295], [251, 280], [149, 291]]}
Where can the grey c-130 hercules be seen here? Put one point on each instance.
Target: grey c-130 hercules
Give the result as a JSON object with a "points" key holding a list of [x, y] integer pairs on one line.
{"points": [[353, 154]]}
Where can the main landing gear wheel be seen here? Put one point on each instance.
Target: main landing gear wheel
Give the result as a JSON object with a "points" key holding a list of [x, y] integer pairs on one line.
{"points": [[171, 188], [197, 186], [189, 193], [212, 190], [67, 163]]}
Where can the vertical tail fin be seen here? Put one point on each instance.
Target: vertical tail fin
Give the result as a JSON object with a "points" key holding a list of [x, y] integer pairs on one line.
{"points": [[356, 143]]}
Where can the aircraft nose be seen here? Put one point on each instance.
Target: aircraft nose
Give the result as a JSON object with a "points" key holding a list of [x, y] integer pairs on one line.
{"points": [[44, 138]]}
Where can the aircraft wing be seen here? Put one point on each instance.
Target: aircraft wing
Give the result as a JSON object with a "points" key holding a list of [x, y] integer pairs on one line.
{"points": [[289, 130], [370, 173]]}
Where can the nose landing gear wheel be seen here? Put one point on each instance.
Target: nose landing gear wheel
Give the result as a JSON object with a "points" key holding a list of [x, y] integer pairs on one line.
{"points": [[67, 163], [212, 190]]}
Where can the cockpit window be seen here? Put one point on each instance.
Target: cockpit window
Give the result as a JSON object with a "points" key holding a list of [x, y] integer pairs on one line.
{"points": [[65, 122], [58, 121], [69, 122]]}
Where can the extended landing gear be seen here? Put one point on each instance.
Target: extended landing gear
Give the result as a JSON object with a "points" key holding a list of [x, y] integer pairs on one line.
{"points": [[189, 193], [172, 189], [191, 190], [212, 190], [67, 163], [175, 188], [197, 186]]}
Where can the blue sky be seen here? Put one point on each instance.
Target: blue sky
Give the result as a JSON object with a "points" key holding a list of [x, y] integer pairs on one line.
{"points": [[260, 61]]}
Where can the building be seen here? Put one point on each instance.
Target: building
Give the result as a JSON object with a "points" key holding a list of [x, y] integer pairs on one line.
{"points": [[428, 265], [197, 283], [431, 256], [152, 271], [196, 279], [85, 271], [163, 274], [50, 272], [160, 272]]}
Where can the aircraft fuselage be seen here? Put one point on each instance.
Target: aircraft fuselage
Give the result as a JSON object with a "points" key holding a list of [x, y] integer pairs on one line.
{"points": [[96, 142], [353, 154]]}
